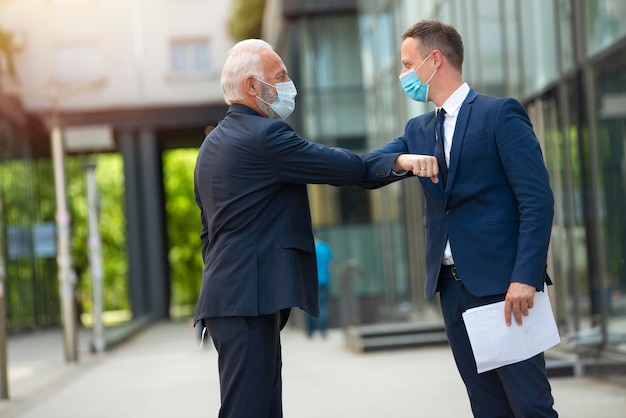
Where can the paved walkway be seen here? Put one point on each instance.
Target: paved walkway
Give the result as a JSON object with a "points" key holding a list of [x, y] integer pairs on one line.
{"points": [[161, 373]]}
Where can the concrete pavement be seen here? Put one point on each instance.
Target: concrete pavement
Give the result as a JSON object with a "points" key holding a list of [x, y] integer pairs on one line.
{"points": [[161, 373]]}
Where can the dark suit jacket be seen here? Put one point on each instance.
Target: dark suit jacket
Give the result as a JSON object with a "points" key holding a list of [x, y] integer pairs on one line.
{"points": [[250, 183], [497, 206]]}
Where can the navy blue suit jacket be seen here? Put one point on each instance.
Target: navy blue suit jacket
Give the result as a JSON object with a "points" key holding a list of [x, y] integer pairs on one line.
{"points": [[250, 183], [497, 206]]}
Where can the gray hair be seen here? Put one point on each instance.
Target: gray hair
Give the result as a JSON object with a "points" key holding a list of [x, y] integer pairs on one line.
{"points": [[243, 60]]}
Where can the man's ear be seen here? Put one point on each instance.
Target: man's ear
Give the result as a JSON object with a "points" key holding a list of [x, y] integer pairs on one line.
{"points": [[437, 57], [250, 86]]}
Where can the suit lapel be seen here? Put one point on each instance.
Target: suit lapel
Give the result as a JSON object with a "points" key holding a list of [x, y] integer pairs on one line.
{"points": [[431, 128], [459, 135]]}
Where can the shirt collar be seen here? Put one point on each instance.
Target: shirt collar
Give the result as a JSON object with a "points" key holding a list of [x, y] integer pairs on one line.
{"points": [[456, 99]]}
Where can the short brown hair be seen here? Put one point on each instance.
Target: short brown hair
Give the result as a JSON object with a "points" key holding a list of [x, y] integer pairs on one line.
{"points": [[437, 35]]}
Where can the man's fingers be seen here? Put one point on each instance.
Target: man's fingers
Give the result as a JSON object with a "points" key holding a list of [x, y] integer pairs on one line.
{"points": [[519, 300], [520, 309], [507, 313], [517, 313]]}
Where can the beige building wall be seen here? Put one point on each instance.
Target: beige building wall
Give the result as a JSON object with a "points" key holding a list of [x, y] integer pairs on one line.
{"points": [[125, 47]]}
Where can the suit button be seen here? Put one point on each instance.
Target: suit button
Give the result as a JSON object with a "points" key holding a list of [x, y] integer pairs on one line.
{"points": [[448, 212]]}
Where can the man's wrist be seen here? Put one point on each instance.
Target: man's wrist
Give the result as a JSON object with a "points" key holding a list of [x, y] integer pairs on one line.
{"points": [[397, 168]]}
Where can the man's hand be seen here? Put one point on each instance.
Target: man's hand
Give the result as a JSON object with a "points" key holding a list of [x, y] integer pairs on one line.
{"points": [[519, 299], [420, 165]]}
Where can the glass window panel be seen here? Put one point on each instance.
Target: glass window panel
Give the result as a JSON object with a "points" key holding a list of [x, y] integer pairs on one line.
{"points": [[564, 10], [462, 15], [610, 80], [367, 52], [538, 44], [471, 47], [201, 56], [491, 75], [384, 44], [578, 283], [483, 44], [309, 104], [340, 113], [189, 56], [368, 58], [332, 56], [511, 51], [606, 22], [444, 13], [179, 62], [331, 82]]}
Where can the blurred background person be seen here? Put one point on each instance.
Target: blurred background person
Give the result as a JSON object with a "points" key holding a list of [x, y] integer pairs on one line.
{"points": [[324, 256]]}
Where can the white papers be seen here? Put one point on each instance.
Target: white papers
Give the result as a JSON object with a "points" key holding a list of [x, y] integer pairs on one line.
{"points": [[495, 345]]}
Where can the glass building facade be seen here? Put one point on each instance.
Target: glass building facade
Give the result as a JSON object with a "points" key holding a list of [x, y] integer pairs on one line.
{"points": [[321, 50]]}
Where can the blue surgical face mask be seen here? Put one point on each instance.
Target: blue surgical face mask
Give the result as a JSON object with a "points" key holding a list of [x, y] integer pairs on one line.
{"points": [[285, 101], [412, 85]]}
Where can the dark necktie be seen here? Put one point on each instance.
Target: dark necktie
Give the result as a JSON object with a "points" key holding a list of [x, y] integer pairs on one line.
{"points": [[439, 147]]}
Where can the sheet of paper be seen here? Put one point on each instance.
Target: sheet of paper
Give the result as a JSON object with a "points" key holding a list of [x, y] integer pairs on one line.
{"points": [[495, 345]]}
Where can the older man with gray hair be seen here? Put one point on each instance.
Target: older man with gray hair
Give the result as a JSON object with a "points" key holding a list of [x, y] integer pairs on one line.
{"points": [[258, 249]]}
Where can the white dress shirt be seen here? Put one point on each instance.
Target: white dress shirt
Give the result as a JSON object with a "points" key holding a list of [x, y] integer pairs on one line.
{"points": [[452, 107]]}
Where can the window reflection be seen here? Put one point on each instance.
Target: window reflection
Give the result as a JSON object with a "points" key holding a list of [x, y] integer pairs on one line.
{"points": [[566, 44], [611, 137], [331, 90], [606, 22], [538, 44]]}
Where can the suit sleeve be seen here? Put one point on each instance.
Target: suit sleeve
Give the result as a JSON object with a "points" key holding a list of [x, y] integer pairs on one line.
{"points": [[380, 164], [526, 172], [298, 160], [204, 232]]}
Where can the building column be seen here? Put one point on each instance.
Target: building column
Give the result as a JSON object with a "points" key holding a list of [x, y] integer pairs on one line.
{"points": [[153, 219], [133, 211]]}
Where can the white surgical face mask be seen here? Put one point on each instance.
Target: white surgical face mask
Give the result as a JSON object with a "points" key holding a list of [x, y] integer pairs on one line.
{"points": [[285, 101]]}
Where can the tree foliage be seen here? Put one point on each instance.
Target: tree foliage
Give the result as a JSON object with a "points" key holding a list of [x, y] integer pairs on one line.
{"points": [[110, 184], [31, 288], [246, 19], [27, 191], [183, 226]]}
